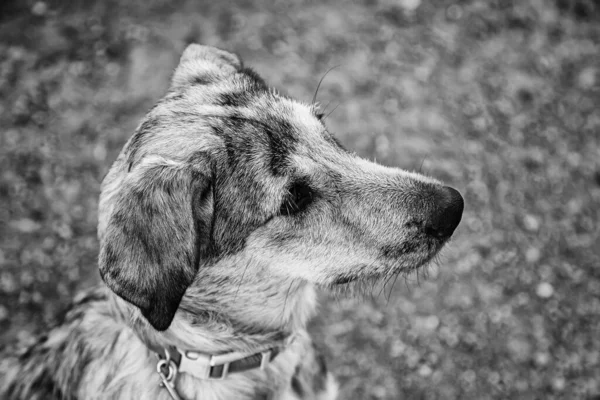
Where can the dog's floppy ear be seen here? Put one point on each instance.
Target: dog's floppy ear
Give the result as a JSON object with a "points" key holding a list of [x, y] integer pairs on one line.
{"points": [[157, 230], [204, 65]]}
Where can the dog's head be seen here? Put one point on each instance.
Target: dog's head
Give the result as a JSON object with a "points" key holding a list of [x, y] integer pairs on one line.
{"points": [[227, 174]]}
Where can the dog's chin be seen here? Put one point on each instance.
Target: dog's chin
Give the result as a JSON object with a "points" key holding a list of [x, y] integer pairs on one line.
{"points": [[383, 269]]}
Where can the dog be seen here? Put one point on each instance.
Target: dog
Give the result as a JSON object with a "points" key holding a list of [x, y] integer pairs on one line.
{"points": [[222, 213]]}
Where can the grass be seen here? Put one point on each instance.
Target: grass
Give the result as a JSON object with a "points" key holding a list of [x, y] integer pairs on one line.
{"points": [[497, 98]]}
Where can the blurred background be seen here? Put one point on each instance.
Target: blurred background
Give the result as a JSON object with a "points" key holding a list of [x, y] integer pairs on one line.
{"points": [[498, 98]]}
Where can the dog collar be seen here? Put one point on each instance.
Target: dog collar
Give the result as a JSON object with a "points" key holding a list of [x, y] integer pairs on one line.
{"points": [[216, 366], [172, 360]]}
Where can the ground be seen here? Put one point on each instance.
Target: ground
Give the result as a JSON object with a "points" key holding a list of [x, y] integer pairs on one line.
{"points": [[500, 99]]}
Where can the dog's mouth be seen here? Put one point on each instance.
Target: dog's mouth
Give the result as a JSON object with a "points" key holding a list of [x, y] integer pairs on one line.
{"points": [[391, 263], [344, 280]]}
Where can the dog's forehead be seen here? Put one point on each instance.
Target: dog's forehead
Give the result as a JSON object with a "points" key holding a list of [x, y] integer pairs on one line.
{"points": [[239, 113], [242, 109], [298, 118], [246, 95], [294, 133]]}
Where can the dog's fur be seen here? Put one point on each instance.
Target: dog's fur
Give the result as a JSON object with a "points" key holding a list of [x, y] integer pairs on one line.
{"points": [[225, 208]]}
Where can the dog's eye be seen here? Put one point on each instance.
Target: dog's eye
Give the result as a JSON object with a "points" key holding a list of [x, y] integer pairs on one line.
{"points": [[299, 197]]}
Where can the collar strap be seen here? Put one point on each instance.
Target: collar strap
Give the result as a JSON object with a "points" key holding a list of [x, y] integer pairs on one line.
{"points": [[218, 366]]}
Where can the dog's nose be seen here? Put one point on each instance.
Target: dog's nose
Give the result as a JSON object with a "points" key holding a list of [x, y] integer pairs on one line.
{"points": [[448, 212]]}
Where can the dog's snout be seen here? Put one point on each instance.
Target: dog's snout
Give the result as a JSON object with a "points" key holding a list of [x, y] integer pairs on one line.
{"points": [[447, 214]]}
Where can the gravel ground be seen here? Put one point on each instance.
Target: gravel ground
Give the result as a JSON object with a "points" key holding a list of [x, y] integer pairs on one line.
{"points": [[500, 99]]}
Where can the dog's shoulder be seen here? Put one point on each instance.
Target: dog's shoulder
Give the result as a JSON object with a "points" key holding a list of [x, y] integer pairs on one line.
{"points": [[54, 366]]}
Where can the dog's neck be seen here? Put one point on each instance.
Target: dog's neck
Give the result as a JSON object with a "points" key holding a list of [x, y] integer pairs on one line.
{"points": [[214, 334], [199, 326]]}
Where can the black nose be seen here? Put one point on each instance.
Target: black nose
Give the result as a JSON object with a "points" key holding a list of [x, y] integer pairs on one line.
{"points": [[447, 214]]}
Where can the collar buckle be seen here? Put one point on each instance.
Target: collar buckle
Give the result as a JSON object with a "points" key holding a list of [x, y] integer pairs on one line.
{"points": [[265, 359], [168, 379]]}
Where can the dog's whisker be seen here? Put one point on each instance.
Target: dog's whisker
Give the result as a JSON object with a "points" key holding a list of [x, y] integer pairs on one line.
{"points": [[386, 280], [314, 99], [421, 166], [406, 282], [383, 287], [326, 106], [388, 276], [331, 112], [393, 284]]}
